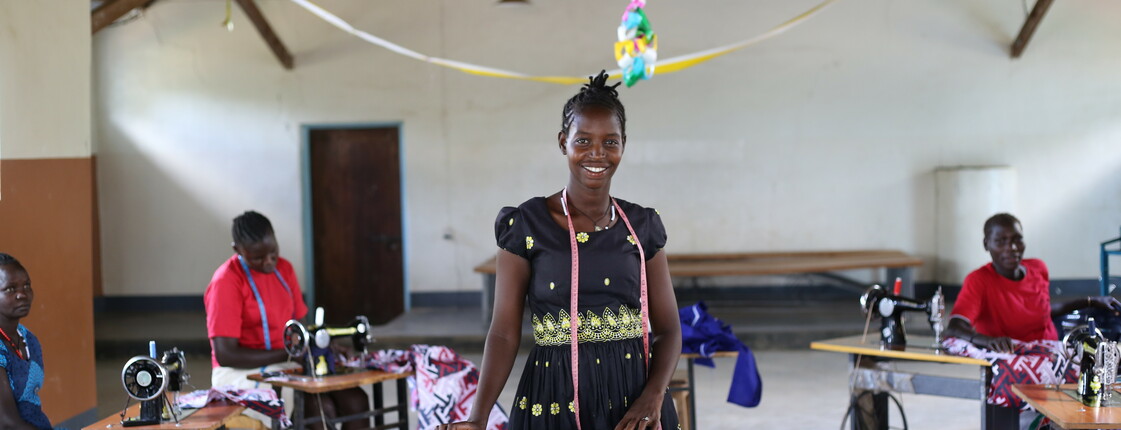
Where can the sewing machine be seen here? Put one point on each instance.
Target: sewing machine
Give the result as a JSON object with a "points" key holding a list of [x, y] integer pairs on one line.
{"points": [[146, 379], [890, 308], [313, 344]]}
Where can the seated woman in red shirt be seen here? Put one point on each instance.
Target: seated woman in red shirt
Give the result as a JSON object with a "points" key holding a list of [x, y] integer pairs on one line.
{"points": [[1010, 297], [248, 302]]}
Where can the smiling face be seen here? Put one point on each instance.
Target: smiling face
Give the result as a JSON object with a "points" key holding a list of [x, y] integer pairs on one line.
{"points": [[594, 146], [260, 256], [15, 292], [1005, 243]]}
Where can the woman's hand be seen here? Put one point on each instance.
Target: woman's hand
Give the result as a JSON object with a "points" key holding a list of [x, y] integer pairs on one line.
{"points": [[643, 414], [998, 344], [1108, 303], [462, 425]]}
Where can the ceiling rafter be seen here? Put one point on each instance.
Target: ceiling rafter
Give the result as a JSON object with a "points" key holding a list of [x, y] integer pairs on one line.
{"points": [[263, 27], [110, 10], [1029, 27]]}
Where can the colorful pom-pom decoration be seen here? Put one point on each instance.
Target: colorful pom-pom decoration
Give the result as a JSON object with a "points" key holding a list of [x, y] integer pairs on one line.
{"points": [[637, 48]]}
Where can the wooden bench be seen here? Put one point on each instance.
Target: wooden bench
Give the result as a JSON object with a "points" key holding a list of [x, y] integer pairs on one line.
{"points": [[896, 263]]}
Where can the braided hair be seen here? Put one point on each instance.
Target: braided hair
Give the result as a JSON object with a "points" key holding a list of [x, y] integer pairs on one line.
{"points": [[1001, 219], [595, 93], [251, 227], [8, 260]]}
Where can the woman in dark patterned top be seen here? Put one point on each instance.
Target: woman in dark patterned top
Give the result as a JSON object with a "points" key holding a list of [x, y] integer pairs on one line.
{"points": [[628, 333]]}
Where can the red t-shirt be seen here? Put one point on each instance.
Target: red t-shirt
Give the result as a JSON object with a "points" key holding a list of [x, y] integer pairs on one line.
{"points": [[231, 307], [998, 306]]}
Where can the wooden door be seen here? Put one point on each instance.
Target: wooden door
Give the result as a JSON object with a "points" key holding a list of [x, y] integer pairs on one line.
{"points": [[356, 223]]}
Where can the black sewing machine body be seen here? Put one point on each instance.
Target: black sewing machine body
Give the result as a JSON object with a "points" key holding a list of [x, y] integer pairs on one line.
{"points": [[312, 345], [147, 379], [890, 308]]}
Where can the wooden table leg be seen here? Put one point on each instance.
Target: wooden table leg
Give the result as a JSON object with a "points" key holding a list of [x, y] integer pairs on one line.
{"points": [[379, 402], [298, 408], [692, 396], [403, 403]]}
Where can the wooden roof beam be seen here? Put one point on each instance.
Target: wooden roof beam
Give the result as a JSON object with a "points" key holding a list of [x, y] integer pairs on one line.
{"points": [[1030, 24], [110, 11], [263, 27]]}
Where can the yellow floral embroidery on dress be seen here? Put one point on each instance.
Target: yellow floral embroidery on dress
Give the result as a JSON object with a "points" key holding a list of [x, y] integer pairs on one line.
{"points": [[552, 285], [610, 325], [657, 212], [529, 242], [571, 408], [511, 221], [521, 403], [630, 239], [628, 356], [554, 408], [607, 282], [536, 409], [581, 237]]}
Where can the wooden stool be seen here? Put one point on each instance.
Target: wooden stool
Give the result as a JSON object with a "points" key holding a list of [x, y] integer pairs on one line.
{"points": [[679, 390]]}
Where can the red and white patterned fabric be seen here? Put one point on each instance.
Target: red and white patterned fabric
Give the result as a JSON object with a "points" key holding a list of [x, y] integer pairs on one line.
{"points": [[1035, 362], [262, 400], [444, 387]]}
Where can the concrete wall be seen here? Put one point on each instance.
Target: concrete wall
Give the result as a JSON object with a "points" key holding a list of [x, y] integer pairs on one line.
{"points": [[47, 196], [826, 137]]}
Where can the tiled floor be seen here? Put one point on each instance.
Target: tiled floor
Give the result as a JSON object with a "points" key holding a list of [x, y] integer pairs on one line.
{"points": [[803, 389]]}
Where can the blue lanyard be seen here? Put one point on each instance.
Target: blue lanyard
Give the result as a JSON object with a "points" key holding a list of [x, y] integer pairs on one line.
{"points": [[261, 303]]}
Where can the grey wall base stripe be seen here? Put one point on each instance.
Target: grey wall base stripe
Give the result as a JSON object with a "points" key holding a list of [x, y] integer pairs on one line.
{"points": [[78, 421], [923, 290]]}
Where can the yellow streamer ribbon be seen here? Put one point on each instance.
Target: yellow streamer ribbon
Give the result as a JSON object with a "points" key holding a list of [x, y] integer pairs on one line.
{"points": [[669, 65]]}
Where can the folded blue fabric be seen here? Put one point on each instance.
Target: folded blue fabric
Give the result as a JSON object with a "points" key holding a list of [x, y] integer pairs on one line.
{"points": [[703, 334]]}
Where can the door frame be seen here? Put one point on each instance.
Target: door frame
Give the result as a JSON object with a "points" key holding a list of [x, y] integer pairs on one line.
{"points": [[308, 226]]}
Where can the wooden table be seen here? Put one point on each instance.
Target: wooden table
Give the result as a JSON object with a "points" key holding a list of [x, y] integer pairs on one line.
{"points": [[919, 349], [211, 417], [302, 385], [1066, 411], [897, 264]]}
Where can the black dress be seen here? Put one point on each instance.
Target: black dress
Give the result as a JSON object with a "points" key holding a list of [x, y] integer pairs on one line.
{"points": [[612, 371]]}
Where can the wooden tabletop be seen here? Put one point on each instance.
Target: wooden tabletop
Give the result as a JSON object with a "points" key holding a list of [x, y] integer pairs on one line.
{"points": [[919, 348], [210, 417], [695, 355], [1066, 411], [771, 263], [324, 384]]}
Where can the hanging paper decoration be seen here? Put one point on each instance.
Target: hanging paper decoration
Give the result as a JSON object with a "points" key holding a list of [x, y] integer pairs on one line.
{"points": [[668, 65], [637, 48]]}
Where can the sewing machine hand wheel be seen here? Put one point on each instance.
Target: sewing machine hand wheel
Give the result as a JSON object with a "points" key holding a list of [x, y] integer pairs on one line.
{"points": [[144, 378], [296, 339]]}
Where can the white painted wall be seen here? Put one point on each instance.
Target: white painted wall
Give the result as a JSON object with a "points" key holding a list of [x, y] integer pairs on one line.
{"points": [[44, 79], [826, 137]]}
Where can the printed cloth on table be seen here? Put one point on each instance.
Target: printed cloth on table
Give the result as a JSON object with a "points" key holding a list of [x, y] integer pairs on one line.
{"points": [[445, 383], [703, 334], [262, 400], [1035, 362]]}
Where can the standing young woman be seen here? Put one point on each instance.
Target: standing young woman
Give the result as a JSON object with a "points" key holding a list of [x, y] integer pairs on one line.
{"points": [[614, 249], [20, 353]]}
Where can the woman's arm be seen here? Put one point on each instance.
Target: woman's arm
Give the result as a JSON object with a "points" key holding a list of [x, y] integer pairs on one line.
{"points": [[666, 346], [961, 328], [230, 353], [9, 414], [503, 339], [1108, 303]]}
